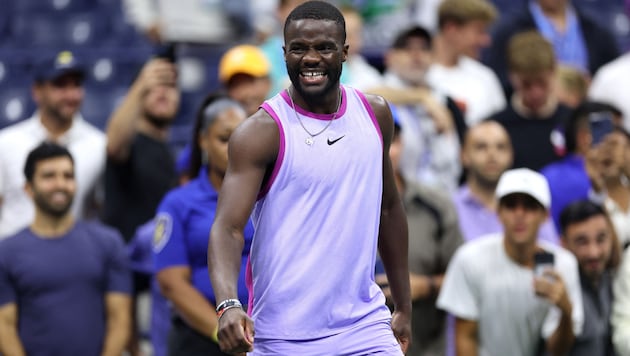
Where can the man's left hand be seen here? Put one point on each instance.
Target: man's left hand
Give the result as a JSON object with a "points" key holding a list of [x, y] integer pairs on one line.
{"points": [[401, 325]]}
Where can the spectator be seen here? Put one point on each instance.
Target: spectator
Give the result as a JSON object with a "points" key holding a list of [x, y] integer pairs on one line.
{"points": [[571, 86], [462, 32], [486, 155], [609, 86], [357, 72], [589, 235], [58, 93], [501, 306], [429, 135], [568, 178], [620, 320], [140, 166], [64, 284], [244, 71], [434, 236], [577, 40], [534, 113], [609, 171], [183, 225], [273, 47], [190, 21]]}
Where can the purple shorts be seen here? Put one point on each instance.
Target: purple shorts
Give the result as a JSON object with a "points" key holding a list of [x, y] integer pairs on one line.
{"points": [[373, 339]]}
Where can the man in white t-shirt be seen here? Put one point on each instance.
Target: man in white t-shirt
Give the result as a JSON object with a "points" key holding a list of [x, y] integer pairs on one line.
{"points": [[502, 307], [58, 93], [463, 32]]}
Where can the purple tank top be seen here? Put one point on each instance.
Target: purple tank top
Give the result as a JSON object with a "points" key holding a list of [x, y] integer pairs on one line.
{"points": [[317, 222]]}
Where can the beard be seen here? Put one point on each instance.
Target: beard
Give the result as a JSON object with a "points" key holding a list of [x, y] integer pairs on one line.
{"points": [[43, 202], [486, 182], [332, 83], [159, 121]]}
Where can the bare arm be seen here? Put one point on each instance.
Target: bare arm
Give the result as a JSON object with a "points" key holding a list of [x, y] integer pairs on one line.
{"points": [[466, 339], [122, 125], [191, 305], [439, 112], [252, 149], [118, 314], [393, 235], [10, 344]]}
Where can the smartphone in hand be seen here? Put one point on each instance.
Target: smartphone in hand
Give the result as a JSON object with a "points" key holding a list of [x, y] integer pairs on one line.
{"points": [[542, 260]]}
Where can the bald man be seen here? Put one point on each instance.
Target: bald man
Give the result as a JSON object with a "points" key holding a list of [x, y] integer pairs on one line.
{"points": [[486, 154]]}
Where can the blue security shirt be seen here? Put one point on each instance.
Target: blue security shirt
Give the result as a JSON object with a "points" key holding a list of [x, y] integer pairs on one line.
{"points": [[568, 182], [182, 230]]}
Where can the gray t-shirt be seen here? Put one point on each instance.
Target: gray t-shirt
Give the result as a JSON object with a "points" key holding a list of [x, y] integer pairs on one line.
{"points": [[483, 284]]}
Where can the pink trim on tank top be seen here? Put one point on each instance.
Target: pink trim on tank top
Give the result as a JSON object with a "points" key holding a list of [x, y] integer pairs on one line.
{"points": [[342, 109], [281, 150], [249, 282], [368, 107]]}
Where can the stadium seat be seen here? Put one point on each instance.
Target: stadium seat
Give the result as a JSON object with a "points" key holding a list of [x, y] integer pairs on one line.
{"points": [[99, 103], [53, 7], [15, 105], [60, 31]]}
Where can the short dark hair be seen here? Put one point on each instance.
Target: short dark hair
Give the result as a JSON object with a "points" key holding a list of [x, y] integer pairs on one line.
{"points": [[45, 150], [400, 42], [317, 10], [582, 210], [579, 211], [579, 117]]}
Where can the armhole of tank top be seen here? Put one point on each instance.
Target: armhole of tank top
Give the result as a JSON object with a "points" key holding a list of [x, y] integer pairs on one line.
{"points": [[281, 150], [370, 111]]}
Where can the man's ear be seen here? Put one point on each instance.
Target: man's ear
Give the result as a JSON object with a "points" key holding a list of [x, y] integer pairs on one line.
{"points": [[28, 188]]}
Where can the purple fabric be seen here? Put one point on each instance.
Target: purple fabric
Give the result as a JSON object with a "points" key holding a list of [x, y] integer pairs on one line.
{"points": [[59, 285], [475, 220]]}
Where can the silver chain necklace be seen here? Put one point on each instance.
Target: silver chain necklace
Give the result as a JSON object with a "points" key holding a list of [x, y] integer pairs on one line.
{"points": [[309, 140]]}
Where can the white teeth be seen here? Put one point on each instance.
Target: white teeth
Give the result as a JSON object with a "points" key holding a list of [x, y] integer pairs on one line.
{"points": [[312, 74]]}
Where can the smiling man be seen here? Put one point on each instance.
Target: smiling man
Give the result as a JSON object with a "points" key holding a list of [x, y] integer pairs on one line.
{"points": [[313, 163], [588, 233], [502, 307], [64, 284]]}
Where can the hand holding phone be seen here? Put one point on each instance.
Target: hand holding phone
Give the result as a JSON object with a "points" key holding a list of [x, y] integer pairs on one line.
{"points": [[543, 260]]}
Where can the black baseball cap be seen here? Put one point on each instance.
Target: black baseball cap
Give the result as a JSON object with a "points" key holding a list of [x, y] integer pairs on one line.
{"points": [[64, 63], [400, 41]]}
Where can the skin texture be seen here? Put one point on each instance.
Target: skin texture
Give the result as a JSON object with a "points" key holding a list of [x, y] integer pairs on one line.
{"points": [[591, 241], [58, 101], [487, 153], [534, 89], [248, 90], [310, 46]]}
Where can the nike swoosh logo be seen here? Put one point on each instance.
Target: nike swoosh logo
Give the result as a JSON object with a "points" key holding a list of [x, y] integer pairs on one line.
{"points": [[335, 140]]}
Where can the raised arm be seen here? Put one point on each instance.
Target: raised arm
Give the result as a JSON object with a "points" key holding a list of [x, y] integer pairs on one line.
{"points": [[10, 344], [122, 125], [252, 151], [393, 235]]}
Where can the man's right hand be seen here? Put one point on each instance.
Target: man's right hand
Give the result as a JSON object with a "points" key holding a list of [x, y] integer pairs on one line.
{"points": [[236, 332], [156, 72]]}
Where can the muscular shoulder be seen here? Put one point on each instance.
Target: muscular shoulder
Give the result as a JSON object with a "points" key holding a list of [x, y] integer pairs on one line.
{"points": [[383, 115], [257, 138]]}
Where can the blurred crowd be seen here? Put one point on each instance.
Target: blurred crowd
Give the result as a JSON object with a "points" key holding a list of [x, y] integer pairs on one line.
{"points": [[512, 122]]}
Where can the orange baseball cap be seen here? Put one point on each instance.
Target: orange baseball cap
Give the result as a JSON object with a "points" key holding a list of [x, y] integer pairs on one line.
{"points": [[246, 59]]}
